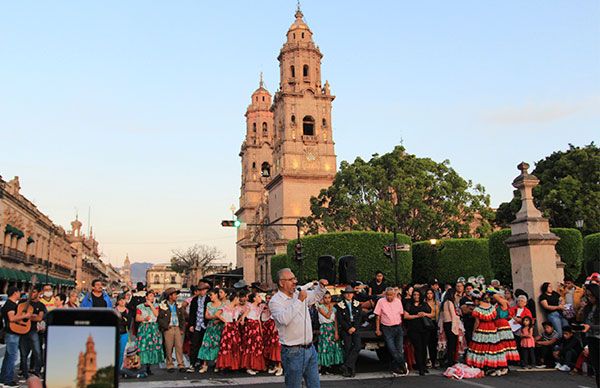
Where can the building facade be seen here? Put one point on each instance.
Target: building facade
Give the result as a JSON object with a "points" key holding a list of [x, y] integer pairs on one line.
{"points": [[35, 250], [159, 277], [87, 364], [125, 271], [194, 276], [287, 155]]}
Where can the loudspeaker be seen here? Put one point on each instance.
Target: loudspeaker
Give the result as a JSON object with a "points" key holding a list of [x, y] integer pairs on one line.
{"points": [[326, 268], [347, 269]]}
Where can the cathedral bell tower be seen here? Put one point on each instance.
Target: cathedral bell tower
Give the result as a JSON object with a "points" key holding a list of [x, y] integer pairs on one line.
{"points": [[257, 169], [304, 157]]}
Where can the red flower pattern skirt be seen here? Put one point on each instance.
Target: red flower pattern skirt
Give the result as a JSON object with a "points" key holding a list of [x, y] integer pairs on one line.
{"points": [[229, 350], [253, 346], [271, 341]]}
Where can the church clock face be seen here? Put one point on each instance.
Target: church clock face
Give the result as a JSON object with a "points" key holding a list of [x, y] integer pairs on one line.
{"points": [[311, 154]]}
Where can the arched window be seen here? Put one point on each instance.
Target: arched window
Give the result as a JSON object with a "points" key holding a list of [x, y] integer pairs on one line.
{"points": [[263, 98], [324, 123], [303, 35], [265, 129], [173, 279], [293, 119], [308, 126], [293, 71], [156, 279], [294, 35], [305, 71], [254, 127], [265, 170], [253, 165]]}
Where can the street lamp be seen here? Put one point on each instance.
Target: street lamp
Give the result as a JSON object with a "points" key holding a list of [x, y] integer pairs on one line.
{"points": [[433, 241], [579, 224]]}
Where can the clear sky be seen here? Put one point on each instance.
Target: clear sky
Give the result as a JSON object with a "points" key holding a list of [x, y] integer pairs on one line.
{"points": [[64, 345], [136, 108]]}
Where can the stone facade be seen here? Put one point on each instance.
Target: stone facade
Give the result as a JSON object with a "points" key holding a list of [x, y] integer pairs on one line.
{"points": [[194, 276], [125, 272], [288, 153], [31, 244], [160, 277], [87, 364]]}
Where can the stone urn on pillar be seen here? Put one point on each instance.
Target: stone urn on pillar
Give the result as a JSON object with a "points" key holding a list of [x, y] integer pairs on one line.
{"points": [[533, 255]]}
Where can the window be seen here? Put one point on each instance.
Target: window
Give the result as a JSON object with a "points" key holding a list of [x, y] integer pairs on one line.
{"points": [[293, 71], [263, 98], [293, 119], [324, 123], [265, 170], [265, 129], [305, 71], [294, 36], [173, 280], [308, 126], [254, 127], [303, 35], [253, 165], [156, 279]]}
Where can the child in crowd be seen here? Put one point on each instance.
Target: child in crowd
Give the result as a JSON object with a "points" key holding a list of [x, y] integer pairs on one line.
{"points": [[329, 348], [229, 347], [527, 343], [544, 345], [252, 347], [209, 350], [568, 350], [132, 364], [271, 339]]}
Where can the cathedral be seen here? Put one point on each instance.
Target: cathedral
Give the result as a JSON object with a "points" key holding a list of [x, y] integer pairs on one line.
{"points": [[86, 366], [287, 154]]}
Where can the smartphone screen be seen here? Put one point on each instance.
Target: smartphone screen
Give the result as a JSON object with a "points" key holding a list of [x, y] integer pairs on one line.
{"points": [[81, 349]]}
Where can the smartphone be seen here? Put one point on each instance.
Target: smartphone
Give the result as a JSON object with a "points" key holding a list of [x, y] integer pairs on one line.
{"points": [[81, 349]]}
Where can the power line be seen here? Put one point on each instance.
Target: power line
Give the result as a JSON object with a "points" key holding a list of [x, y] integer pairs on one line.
{"points": [[166, 242]]}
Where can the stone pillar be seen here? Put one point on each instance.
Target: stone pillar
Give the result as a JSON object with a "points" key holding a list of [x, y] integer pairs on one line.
{"points": [[533, 255]]}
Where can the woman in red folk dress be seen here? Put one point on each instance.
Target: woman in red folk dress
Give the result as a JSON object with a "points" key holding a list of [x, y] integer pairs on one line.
{"points": [[505, 334], [485, 350], [229, 349], [271, 339], [252, 340]]}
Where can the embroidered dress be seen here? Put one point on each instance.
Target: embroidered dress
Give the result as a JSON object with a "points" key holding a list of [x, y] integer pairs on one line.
{"points": [[149, 339], [270, 337], [229, 348], [252, 342], [330, 350], [485, 350], [505, 335], [209, 350]]}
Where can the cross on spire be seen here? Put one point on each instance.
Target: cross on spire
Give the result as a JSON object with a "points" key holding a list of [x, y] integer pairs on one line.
{"points": [[261, 83], [299, 13]]}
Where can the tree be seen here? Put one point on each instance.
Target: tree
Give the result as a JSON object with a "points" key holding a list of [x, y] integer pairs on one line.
{"points": [[197, 257], [104, 378], [425, 199], [569, 190]]}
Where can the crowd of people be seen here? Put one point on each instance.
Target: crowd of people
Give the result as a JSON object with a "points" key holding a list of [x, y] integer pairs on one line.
{"points": [[255, 329]]}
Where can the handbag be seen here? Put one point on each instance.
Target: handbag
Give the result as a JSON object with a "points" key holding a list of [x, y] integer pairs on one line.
{"points": [[428, 323]]}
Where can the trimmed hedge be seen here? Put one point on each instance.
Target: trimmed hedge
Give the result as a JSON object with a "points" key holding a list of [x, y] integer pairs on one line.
{"points": [[570, 249], [591, 248], [450, 259], [278, 262], [367, 247], [500, 256]]}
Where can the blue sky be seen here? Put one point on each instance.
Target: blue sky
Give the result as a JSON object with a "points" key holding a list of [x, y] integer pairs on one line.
{"points": [[136, 108]]}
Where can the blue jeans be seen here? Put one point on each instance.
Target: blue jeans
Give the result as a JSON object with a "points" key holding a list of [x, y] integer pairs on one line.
{"points": [[30, 342], [394, 341], [557, 321], [7, 374], [123, 338], [299, 363]]}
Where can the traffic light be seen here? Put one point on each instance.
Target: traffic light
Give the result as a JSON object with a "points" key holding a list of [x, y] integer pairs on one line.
{"points": [[231, 223], [298, 251]]}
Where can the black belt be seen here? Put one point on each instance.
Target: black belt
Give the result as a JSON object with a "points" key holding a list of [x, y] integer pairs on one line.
{"points": [[306, 346]]}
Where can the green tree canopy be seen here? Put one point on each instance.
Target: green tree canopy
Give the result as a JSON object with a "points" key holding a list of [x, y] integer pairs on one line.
{"points": [[569, 189], [424, 198]]}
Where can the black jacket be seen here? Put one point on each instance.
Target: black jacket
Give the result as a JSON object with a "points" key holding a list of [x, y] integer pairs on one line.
{"points": [[164, 316], [343, 315], [194, 311]]}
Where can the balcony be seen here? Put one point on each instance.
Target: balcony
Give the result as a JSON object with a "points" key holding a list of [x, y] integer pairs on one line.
{"points": [[12, 254]]}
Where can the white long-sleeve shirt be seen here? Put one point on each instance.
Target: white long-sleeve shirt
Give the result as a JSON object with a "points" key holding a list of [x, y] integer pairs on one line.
{"points": [[292, 318]]}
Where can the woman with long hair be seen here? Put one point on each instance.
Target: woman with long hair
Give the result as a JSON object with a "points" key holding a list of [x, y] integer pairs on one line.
{"points": [[508, 344], [432, 341], [253, 347], [229, 348], [415, 314], [329, 349], [149, 338], [451, 331], [124, 323]]}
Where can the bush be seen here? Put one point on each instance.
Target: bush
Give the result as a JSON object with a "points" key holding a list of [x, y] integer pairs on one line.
{"points": [[367, 247], [500, 256], [450, 259], [570, 249], [278, 262], [591, 246]]}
